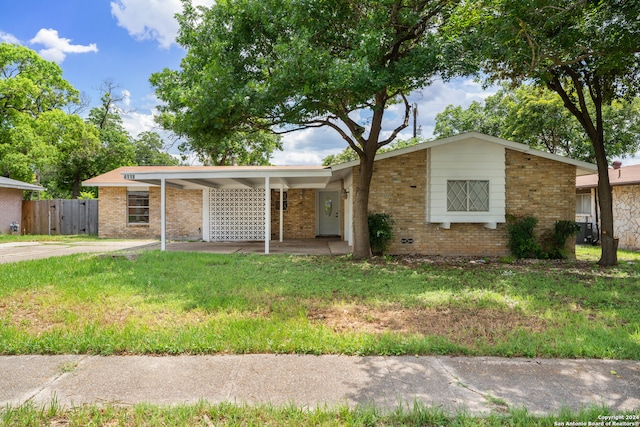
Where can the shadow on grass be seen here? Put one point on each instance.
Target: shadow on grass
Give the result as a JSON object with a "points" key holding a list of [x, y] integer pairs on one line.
{"points": [[590, 312]]}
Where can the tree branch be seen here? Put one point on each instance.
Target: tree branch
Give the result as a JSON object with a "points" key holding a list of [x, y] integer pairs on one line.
{"points": [[405, 123]]}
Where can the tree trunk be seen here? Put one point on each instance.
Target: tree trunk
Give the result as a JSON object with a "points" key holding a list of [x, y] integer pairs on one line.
{"points": [[608, 242], [75, 190], [361, 246]]}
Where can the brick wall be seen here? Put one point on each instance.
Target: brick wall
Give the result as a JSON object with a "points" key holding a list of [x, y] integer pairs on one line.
{"points": [[299, 220], [184, 214], [535, 186], [542, 188], [10, 208]]}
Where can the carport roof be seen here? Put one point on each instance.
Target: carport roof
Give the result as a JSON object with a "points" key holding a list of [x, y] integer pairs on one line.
{"points": [[186, 177]]}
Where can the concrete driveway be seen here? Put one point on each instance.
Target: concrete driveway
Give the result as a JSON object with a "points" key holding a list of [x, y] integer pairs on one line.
{"points": [[24, 251]]}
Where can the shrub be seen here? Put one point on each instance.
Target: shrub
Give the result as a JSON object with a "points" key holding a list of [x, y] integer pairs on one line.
{"points": [[554, 243], [380, 232], [522, 241]]}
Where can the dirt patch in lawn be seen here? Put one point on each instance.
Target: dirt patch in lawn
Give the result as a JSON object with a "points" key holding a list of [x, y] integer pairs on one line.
{"points": [[459, 325]]}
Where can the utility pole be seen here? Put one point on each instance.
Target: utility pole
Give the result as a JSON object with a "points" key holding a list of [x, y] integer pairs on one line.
{"points": [[415, 119]]}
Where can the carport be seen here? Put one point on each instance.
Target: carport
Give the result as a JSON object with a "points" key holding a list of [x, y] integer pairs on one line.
{"points": [[251, 213]]}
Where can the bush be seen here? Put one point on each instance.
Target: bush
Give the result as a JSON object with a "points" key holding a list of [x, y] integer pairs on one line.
{"points": [[554, 243], [380, 232], [522, 241]]}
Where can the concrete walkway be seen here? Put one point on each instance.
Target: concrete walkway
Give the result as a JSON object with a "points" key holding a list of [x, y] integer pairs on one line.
{"points": [[478, 385], [25, 251], [319, 246]]}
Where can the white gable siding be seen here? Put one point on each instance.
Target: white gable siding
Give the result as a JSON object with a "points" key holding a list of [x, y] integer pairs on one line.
{"points": [[471, 159]]}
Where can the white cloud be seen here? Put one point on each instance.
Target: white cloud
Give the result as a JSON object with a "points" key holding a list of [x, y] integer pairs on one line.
{"points": [[126, 98], [57, 48], [8, 38], [150, 19], [135, 122]]}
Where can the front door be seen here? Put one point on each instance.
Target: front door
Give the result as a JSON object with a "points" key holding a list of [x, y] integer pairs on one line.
{"points": [[329, 213]]}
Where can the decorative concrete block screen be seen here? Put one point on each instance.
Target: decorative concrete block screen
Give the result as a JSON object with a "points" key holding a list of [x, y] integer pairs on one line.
{"points": [[237, 214]]}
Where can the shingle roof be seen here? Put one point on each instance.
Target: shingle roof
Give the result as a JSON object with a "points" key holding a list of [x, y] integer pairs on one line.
{"points": [[627, 175]]}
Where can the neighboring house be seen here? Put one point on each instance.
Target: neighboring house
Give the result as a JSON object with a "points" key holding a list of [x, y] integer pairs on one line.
{"points": [[625, 187], [447, 197], [11, 195]]}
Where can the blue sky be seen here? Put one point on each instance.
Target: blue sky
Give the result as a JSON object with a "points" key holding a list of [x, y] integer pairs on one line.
{"points": [[125, 41]]}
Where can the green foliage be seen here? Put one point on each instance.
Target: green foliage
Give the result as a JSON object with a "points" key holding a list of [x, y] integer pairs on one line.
{"points": [[32, 126], [554, 243], [39, 142], [84, 195], [233, 414], [380, 232], [348, 155], [150, 151], [537, 117], [522, 240]]}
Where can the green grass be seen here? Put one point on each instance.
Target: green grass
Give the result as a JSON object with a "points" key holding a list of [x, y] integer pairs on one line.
{"points": [[198, 303], [225, 414], [6, 238]]}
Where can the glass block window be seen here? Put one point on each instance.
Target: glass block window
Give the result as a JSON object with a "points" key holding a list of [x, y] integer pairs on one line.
{"points": [[137, 207], [468, 196]]}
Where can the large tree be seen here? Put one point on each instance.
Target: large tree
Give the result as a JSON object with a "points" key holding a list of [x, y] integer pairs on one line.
{"points": [[285, 65], [536, 116], [150, 150], [586, 51], [32, 92], [248, 146]]}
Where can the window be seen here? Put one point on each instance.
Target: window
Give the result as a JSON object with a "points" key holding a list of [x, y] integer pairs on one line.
{"points": [[583, 203], [468, 196], [137, 207], [275, 196]]}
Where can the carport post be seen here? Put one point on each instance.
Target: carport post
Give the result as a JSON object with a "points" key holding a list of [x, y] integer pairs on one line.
{"points": [[281, 207], [267, 214], [163, 215]]}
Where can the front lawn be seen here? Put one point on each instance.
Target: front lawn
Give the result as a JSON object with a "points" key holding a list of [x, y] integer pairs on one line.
{"points": [[197, 303]]}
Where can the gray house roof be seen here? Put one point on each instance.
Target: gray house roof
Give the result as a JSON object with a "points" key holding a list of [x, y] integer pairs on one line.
{"points": [[19, 185]]}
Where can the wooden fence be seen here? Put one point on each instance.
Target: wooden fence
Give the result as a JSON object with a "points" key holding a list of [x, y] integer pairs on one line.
{"points": [[59, 216]]}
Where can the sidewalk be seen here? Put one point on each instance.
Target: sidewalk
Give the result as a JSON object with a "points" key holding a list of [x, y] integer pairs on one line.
{"points": [[477, 385]]}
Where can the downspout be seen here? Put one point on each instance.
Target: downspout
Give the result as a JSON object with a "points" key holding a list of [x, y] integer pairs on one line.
{"points": [[597, 208]]}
